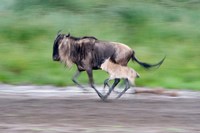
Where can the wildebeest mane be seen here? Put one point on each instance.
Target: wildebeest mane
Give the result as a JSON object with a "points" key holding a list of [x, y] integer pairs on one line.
{"points": [[79, 49], [84, 37], [76, 49]]}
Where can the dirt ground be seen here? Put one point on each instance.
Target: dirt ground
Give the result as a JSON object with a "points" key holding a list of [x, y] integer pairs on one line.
{"points": [[48, 109]]}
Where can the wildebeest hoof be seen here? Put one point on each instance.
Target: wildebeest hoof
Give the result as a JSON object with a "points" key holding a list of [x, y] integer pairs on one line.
{"points": [[104, 98], [85, 90], [80, 86], [117, 92]]}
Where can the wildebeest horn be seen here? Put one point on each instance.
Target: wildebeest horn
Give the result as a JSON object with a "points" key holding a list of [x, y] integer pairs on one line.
{"points": [[59, 32]]}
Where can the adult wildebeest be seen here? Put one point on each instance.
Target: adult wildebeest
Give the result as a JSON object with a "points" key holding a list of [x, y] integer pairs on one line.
{"points": [[88, 53]]}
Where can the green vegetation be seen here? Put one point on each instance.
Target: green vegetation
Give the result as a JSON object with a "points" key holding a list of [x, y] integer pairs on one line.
{"points": [[153, 28]]}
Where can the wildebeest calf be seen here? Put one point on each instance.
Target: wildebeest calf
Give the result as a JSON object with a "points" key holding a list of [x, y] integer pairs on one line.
{"points": [[120, 72]]}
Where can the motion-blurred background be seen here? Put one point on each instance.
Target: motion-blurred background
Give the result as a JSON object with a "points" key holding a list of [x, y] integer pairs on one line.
{"points": [[153, 28]]}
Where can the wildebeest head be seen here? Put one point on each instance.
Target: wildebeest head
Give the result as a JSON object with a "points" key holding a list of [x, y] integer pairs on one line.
{"points": [[56, 44]]}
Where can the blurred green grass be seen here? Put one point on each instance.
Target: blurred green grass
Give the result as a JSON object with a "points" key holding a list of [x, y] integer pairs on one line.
{"points": [[153, 28]]}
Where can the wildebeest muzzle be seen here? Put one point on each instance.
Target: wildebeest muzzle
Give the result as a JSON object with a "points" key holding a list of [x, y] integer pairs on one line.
{"points": [[56, 58]]}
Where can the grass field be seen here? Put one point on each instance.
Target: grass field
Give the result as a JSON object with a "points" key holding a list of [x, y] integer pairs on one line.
{"points": [[153, 28]]}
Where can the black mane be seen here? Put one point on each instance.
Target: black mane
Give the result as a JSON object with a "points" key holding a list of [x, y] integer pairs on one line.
{"points": [[84, 37], [91, 37]]}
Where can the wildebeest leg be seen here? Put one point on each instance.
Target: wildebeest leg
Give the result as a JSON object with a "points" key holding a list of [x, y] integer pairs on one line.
{"points": [[126, 88], [106, 84], [112, 88], [74, 79], [89, 72], [120, 86]]}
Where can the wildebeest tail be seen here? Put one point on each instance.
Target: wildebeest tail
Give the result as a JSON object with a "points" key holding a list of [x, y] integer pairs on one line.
{"points": [[147, 65]]}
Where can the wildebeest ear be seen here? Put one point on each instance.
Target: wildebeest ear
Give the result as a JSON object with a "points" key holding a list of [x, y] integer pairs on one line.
{"points": [[68, 35]]}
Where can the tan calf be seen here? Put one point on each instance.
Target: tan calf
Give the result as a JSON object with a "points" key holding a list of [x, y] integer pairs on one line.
{"points": [[117, 71]]}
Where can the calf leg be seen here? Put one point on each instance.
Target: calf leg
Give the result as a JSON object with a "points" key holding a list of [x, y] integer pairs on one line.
{"points": [[120, 86], [112, 88], [106, 84], [126, 88]]}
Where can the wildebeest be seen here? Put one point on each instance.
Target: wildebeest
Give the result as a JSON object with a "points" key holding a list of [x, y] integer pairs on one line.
{"points": [[121, 72], [88, 53]]}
